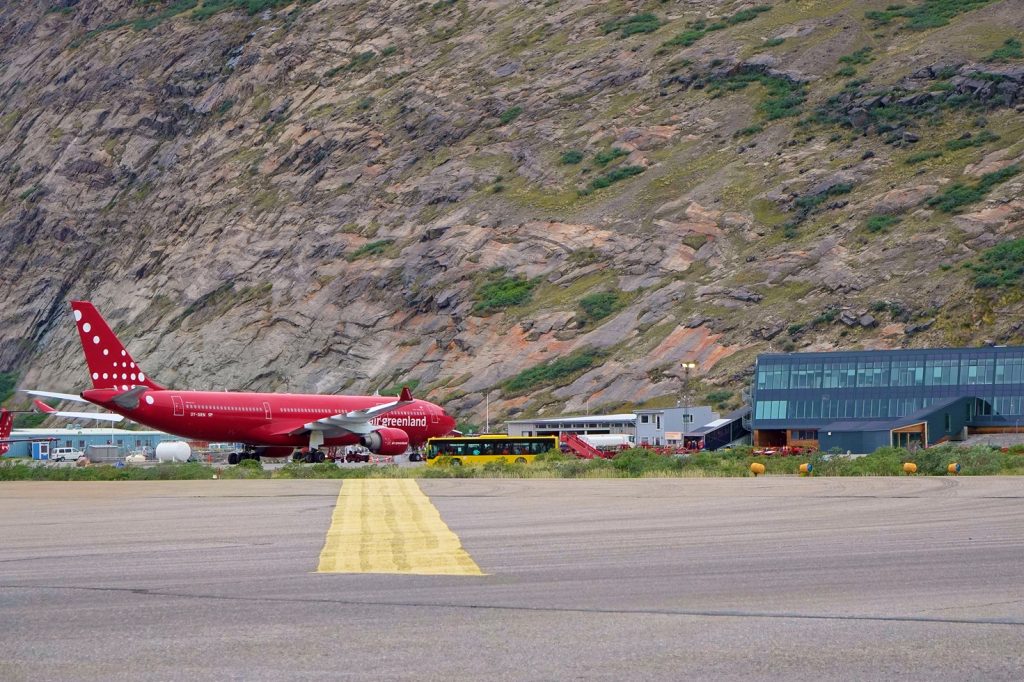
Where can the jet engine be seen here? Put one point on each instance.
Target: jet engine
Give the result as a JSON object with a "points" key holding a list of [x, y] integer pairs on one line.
{"points": [[386, 441]]}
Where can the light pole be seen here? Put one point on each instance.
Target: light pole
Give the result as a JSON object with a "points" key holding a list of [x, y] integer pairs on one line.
{"points": [[687, 366]]}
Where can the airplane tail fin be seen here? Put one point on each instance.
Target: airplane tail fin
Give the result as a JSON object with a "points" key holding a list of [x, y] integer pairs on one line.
{"points": [[6, 422], [110, 364]]}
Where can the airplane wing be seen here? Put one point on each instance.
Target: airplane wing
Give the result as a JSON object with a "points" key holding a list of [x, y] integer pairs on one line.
{"points": [[59, 396], [356, 421], [101, 416]]}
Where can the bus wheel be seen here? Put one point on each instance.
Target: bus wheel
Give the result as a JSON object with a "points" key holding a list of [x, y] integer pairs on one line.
{"points": [[520, 460], [456, 462], [233, 458]]}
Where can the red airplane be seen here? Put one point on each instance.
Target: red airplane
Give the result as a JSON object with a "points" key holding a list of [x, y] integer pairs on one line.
{"points": [[268, 424], [6, 424]]}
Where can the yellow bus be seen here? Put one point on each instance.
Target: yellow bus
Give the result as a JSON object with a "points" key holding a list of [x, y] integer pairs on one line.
{"points": [[459, 450]]}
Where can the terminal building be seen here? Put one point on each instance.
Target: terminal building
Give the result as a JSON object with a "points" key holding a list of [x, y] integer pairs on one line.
{"points": [[859, 401], [691, 427]]}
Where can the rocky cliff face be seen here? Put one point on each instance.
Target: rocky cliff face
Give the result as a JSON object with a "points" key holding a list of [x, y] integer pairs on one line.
{"points": [[548, 203]]}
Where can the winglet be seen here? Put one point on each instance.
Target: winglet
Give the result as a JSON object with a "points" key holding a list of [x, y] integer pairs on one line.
{"points": [[43, 407], [406, 396]]}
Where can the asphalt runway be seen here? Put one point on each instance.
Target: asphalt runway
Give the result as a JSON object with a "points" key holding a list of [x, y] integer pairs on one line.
{"points": [[732, 579]]}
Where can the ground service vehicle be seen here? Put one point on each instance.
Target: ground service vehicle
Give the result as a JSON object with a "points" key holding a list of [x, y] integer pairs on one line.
{"points": [[456, 451], [65, 454]]}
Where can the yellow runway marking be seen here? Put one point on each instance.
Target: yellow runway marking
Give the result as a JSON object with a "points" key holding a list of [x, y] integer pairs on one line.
{"points": [[390, 526]]}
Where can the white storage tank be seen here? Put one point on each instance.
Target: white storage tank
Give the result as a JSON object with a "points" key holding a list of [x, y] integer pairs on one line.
{"points": [[173, 451], [611, 441]]}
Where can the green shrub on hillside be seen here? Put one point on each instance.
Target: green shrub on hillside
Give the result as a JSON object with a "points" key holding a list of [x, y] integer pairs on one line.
{"points": [[157, 16], [809, 202], [639, 462], [510, 115], [700, 28], [603, 158], [561, 370], [631, 25], [783, 98], [880, 223], [927, 14], [494, 294], [370, 249], [1000, 266], [615, 175], [600, 305], [956, 196], [918, 157], [1011, 49], [8, 380], [572, 157], [718, 398], [861, 56], [984, 137]]}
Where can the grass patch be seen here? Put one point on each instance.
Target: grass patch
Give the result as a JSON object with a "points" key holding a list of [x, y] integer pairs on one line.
{"points": [[956, 196], [631, 25], [497, 292], [1000, 266], [370, 249], [927, 14], [554, 372]]}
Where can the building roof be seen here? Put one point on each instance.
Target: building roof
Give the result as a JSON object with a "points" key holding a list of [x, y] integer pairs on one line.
{"points": [[909, 352], [576, 420], [678, 408], [733, 416]]}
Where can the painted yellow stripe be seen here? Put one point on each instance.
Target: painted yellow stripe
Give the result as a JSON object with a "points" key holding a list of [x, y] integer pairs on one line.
{"points": [[390, 526]]}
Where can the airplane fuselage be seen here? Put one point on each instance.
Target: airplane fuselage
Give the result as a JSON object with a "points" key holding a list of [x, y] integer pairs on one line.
{"points": [[267, 419]]}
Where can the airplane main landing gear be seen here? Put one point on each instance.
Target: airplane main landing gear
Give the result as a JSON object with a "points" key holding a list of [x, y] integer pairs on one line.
{"points": [[310, 457], [238, 457]]}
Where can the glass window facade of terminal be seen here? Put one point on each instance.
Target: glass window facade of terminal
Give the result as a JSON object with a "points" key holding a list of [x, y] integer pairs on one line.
{"points": [[801, 390]]}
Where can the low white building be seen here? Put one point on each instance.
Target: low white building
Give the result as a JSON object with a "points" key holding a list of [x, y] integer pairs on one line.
{"points": [[592, 424]]}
